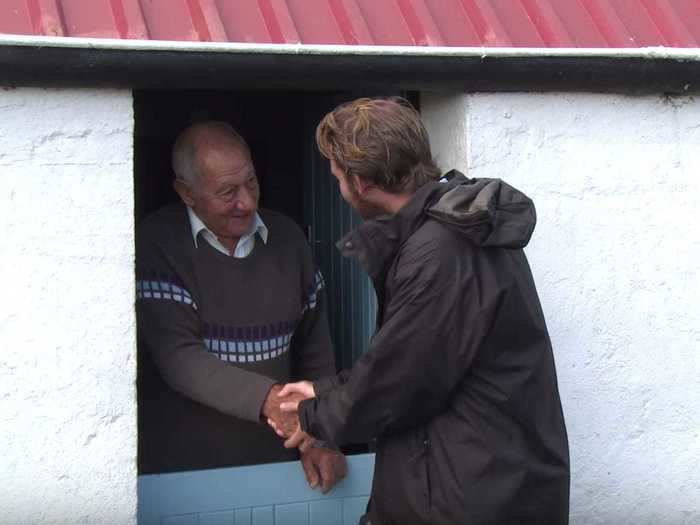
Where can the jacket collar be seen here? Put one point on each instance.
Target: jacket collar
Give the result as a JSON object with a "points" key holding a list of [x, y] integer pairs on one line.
{"points": [[375, 243]]}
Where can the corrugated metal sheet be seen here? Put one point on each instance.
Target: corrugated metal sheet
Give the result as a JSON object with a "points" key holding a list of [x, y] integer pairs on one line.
{"points": [[502, 23]]}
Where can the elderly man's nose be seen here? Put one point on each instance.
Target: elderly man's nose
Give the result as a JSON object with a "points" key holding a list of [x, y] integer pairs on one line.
{"points": [[245, 201]]}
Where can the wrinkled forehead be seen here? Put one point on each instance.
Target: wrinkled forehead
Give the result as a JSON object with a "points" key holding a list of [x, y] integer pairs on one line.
{"points": [[225, 150], [224, 162], [217, 139]]}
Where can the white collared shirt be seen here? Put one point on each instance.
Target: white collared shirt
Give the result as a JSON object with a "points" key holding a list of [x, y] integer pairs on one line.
{"points": [[245, 244]]}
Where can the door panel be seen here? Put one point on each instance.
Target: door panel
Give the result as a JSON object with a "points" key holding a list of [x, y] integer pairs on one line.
{"points": [[273, 494], [351, 302]]}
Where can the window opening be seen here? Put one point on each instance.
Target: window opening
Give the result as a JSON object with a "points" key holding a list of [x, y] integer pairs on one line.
{"points": [[294, 180]]}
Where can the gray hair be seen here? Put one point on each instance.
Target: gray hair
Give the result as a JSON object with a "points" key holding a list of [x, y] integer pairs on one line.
{"points": [[190, 141]]}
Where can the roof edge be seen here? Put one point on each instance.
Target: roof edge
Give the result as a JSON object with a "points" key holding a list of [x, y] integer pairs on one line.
{"points": [[650, 53], [74, 62]]}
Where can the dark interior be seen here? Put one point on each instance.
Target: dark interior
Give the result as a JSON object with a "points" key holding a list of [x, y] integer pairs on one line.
{"points": [[270, 123], [278, 126]]}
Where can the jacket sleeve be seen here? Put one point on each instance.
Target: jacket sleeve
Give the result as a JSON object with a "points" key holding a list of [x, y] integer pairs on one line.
{"points": [[324, 384], [437, 315], [169, 326]]}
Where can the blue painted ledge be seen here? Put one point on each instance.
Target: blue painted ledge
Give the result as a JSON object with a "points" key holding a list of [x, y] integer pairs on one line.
{"points": [[272, 494]]}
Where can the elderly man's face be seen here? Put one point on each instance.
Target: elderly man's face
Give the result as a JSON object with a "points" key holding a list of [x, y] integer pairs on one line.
{"points": [[225, 195]]}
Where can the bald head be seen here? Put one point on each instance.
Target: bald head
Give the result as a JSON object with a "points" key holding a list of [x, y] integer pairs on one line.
{"points": [[197, 141]]}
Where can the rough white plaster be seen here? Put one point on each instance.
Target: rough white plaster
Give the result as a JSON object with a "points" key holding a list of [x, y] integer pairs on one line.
{"points": [[447, 129], [67, 365], [616, 182]]}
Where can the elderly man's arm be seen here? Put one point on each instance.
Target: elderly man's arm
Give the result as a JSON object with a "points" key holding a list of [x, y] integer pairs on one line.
{"points": [[312, 349], [312, 346], [313, 358], [170, 331]]}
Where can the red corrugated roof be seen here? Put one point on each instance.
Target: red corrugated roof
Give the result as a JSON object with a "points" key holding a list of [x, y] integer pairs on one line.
{"points": [[503, 23]]}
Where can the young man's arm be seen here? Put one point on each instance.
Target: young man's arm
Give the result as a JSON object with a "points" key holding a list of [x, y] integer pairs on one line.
{"points": [[436, 320]]}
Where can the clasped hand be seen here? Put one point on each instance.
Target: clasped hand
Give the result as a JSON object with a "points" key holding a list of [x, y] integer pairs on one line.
{"points": [[321, 465], [285, 421]]}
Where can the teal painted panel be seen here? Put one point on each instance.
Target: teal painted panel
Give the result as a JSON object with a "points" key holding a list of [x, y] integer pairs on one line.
{"points": [[145, 512], [352, 304], [243, 517], [217, 518], [351, 301], [292, 514], [250, 493], [353, 509], [191, 519], [326, 512], [263, 516]]}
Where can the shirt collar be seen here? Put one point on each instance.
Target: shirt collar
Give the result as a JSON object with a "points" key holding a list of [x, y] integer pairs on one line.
{"points": [[198, 225]]}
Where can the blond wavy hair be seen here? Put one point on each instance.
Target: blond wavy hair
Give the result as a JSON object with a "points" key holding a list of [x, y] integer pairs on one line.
{"points": [[380, 140]]}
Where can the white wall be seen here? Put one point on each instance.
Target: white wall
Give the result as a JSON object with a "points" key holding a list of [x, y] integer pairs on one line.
{"points": [[67, 363], [616, 258]]}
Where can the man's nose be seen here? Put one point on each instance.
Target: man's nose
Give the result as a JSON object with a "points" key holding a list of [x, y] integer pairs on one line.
{"points": [[245, 200]]}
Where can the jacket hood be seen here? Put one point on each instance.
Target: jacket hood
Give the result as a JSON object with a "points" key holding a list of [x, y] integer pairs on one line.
{"points": [[487, 211]]}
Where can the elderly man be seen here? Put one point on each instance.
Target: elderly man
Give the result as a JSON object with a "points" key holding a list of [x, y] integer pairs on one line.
{"points": [[229, 307], [458, 385]]}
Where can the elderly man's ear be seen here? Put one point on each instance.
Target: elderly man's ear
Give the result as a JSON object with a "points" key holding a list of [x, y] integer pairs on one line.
{"points": [[184, 191]]}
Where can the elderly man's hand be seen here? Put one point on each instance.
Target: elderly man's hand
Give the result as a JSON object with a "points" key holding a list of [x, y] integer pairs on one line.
{"points": [[323, 466], [287, 425], [284, 422], [290, 396]]}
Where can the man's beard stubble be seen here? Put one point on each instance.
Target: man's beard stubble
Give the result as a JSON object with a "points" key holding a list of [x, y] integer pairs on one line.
{"points": [[364, 208]]}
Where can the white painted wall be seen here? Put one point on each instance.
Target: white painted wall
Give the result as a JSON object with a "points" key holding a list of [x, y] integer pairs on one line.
{"points": [[616, 257], [616, 181], [67, 363]]}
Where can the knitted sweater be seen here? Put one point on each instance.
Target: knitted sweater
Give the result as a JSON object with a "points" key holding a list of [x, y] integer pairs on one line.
{"points": [[215, 333]]}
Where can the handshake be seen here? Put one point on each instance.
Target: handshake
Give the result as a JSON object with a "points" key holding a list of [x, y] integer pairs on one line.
{"points": [[322, 465], [281, 413]]}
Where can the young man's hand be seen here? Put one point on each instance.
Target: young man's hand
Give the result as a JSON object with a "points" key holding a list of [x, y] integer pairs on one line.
{"points": [[287, 425], [282, 421], [305, 389]]}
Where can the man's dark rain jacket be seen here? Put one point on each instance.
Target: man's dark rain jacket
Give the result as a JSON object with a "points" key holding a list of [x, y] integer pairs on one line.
{"points": [[458, 386]]}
